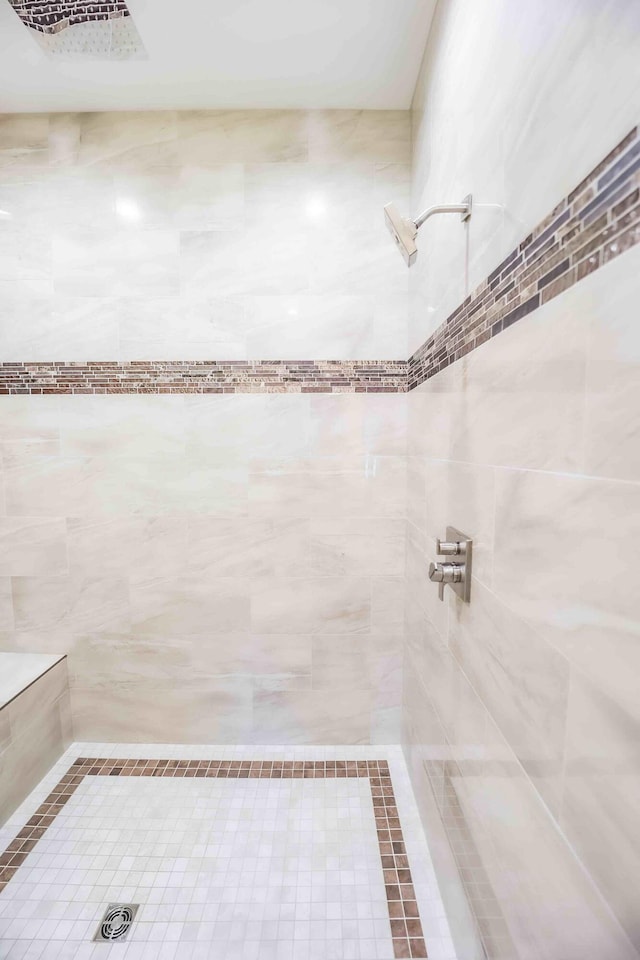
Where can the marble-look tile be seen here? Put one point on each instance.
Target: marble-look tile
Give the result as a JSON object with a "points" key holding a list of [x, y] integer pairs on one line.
{"points": [[522, 680], [272, 661], [24, 254], [73, 603], [22, 419], [132, 139], [45, 328], [130, 486], [190, 604], [372, 135], [31, 546], [322, 325], [340, 663], [231, 136], [311, 716], [37, 698], [547, 524], [116, 263], [210, 195], [121, 425], [217, 712], [357, 548], [40, 483], [608, 300], [24, 132], [139, 547], [179, 328], [602, 795], [387, 615], [326, 605], [507, 410], [532, 869], [258, 260]]}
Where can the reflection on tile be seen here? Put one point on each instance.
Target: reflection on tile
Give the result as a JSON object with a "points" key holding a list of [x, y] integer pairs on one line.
{"points": [[100, 264], [602, 795], [609, 299], [522, 680], [590, 617]]}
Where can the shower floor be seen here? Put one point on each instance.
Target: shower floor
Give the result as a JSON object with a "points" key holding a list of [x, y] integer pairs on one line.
{"points": [[237, 853]]}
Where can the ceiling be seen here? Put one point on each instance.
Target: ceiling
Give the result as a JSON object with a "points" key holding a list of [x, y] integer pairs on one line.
{"points": [[247, 54]]}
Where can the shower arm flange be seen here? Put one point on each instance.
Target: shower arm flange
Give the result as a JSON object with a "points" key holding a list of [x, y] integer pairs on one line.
{"points": [[464, 209]]}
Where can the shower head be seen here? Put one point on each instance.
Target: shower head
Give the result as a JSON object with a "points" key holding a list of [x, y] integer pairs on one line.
{"points": [[404, 232]]}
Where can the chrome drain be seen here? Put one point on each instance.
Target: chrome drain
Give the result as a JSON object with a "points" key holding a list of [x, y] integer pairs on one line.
{"points": [[116, 921]]}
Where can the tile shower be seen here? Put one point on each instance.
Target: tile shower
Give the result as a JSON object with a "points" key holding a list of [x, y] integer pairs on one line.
{"points": [[232, 425]]}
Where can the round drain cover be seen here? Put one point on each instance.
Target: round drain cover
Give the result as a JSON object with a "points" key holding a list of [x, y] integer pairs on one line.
{"points": [[116, 921]]}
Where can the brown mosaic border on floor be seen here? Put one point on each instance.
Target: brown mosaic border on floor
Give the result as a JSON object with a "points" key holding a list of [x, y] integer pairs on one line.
{"points": [[596, 222], [404, 916]]}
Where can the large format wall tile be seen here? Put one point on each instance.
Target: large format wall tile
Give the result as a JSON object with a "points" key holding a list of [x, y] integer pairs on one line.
{"points": [[522, 680], [602, 794], [222, 544], [220, 235], [35, 729]]}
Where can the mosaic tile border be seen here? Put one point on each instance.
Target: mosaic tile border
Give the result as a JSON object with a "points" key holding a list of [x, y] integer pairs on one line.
{"points": [[598, 221], [206, 376], [404, 916], [595, 223]]}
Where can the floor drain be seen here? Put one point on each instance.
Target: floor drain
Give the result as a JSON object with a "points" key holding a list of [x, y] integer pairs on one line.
{"points": [[116, 921]]}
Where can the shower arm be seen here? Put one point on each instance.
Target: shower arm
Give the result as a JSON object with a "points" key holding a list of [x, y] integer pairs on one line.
{"points": [[464, 209]]}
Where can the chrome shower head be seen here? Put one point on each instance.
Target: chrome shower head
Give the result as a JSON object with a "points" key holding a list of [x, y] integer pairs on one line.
{"points": [[404, 233]]}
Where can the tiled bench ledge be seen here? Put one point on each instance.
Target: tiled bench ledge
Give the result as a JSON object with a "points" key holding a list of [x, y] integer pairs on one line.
{"points": [[35, 722]]}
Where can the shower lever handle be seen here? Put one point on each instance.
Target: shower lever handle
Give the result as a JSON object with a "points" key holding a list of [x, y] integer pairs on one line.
{"points": [[450, 548]]}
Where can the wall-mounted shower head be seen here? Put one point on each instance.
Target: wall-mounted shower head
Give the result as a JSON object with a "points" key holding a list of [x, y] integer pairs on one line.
{"points": [[404, 232]]}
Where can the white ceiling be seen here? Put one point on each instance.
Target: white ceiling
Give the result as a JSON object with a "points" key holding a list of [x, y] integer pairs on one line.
{"points": [[239, 54]]}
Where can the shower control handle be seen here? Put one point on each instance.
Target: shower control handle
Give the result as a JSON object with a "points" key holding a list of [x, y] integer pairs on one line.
{"points": [[442, 573], [446, 572], [457, 571], [454, 548]]}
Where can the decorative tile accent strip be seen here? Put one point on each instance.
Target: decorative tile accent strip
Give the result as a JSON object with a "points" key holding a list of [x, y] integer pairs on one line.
{"points": [[207, 376], [598, 221], [406, 926]]}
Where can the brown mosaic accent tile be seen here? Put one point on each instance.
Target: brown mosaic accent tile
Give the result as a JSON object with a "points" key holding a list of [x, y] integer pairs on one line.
{"points": [[206, 376], [598, 221], [404, 915], [53, 17]]}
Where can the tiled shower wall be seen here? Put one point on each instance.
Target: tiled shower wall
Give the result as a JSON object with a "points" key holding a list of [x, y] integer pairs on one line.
{"points": [[521, 719], [218, 568]]}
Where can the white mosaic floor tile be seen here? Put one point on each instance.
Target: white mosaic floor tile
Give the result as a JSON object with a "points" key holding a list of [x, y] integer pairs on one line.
{"points": [[236, 869]]}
